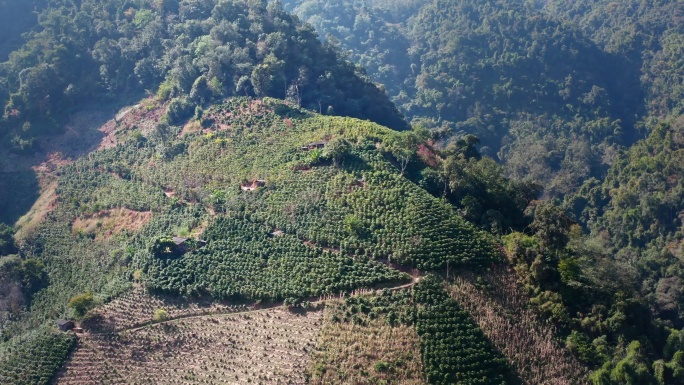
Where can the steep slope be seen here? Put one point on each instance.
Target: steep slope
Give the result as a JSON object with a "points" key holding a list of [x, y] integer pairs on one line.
{"points": [[266, 346], [648, 35], [563, 83], [528, 85], [638, 210], [98, 50], [267, 215], [501, 309]]}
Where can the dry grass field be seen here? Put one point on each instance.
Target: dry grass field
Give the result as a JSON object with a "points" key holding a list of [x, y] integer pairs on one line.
{"points": [[369, 353], [268, 346], [527, 342], [107, 223], [136, 308]]}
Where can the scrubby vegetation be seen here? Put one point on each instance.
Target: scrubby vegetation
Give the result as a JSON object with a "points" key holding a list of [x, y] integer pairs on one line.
{"points": [[452, 347], [502, 310], [358, 344], [267, 346]]}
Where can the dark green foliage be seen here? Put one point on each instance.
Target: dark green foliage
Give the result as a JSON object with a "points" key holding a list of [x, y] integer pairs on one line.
{"points": [[7, 245], [598, 300], [538, 92], [633, 369], [180, 110], [12, 204], [95, 50], [241, 260], [479, 188], [646, 34], [638, 202], [82, 303], [16, 18], [551, 226], [396, 307], [453, 348], [19, 280], [32, 276], [636, 208], [336, 149], [33, 359]]}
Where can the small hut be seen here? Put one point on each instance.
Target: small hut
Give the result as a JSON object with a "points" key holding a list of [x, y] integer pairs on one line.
{"points": [[183, 245], [65, 325], [251, 186], [277, 233], [315, 145]]}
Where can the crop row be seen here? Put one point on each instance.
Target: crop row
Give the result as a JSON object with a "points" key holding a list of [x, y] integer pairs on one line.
{"points": [[266, 347], [453, 348], [33, 360], [242, 260]]}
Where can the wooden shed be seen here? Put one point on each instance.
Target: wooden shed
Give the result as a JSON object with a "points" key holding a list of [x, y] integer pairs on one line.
{"points": [[65, 325], [315, 145]]}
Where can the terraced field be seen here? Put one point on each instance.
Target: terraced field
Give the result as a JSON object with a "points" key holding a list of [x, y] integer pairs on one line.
{"points": [[136, 308], [370, 352], [527, 342], [269, 346]]}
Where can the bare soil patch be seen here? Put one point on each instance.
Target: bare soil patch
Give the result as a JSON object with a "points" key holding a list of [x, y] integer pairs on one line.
{"points": [[107, 223], [372, 353], [267, 347]]}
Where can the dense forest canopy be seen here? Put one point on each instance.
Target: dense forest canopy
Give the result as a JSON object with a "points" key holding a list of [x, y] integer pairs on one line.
{"points": [[192, 51], [16, 18], [563, 84]]}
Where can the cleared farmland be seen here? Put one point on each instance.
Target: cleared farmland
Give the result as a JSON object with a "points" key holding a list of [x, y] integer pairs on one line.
{"points": [[269, 346]]}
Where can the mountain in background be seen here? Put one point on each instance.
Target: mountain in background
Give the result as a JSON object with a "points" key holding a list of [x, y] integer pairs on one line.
{"points": [[552, 89]]}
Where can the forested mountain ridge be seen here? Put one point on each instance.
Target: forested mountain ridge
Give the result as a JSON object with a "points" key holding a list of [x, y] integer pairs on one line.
{"points": [[98, 50], [647, 35], [562, 83]]}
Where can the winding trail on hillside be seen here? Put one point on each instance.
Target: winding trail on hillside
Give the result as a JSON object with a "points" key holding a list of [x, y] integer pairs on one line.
{"points": [[315, 302]]}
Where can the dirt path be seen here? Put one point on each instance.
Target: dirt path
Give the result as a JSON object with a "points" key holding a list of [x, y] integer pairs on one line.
{"points": [[315, 302]]}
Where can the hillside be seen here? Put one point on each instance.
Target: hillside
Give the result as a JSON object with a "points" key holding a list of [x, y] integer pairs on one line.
{"points": [[310, 229], [564, 84], [192, 52]]}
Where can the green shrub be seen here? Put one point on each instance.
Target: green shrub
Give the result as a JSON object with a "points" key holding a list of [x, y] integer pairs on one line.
{"points": [[82, 303], [160, 315]]}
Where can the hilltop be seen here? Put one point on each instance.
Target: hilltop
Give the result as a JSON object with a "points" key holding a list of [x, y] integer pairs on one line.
{"points": [[273, 203]]}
